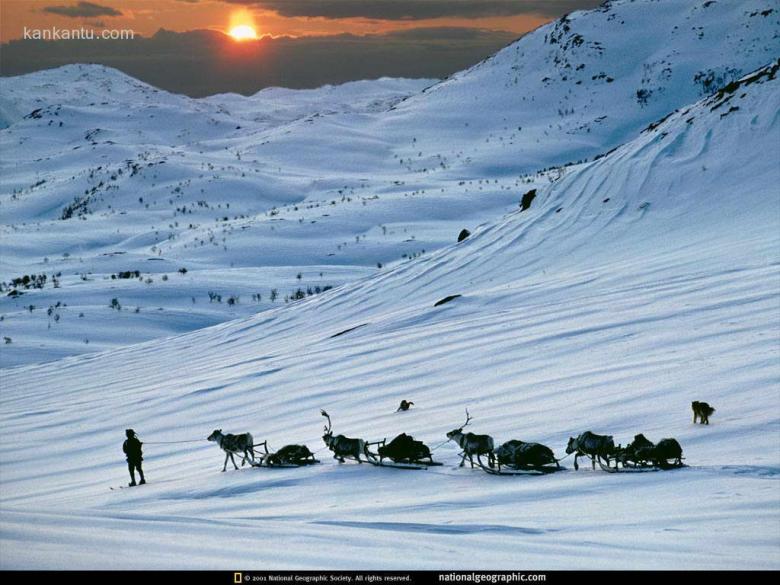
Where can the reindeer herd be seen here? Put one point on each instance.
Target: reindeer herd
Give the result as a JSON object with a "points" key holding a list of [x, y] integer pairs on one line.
{"points": [[511, 458]]}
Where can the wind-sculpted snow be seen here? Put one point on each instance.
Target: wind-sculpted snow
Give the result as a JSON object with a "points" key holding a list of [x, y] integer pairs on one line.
{"points": [[633, 285], [102, 174]]}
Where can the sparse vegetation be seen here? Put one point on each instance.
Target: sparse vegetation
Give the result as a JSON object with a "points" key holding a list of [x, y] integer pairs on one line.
{"points": [[643, 96], [709, 80], [446, 300], [79, 208], [28, 281], [527, 199], [125, 275]]}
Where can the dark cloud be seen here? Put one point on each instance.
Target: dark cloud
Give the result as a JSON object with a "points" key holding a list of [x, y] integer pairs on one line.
{"points": [[418, 9], [201, 63], [442, 33], [83, 10]]}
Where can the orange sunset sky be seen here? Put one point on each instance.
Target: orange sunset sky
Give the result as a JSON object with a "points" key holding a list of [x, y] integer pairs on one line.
{"points": [[145, 17], [182, 45]]}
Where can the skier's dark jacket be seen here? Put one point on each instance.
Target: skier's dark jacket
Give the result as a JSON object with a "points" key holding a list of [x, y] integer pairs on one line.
{"points": [[132, 448]]}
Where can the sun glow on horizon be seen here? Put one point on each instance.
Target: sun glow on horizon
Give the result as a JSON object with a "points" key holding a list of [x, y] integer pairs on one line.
{"points": [[243, 32], [242, 26]]}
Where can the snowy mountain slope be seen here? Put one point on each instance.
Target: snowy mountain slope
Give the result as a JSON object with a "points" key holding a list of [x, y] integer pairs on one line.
{"points": [[106, 107], [567, 91], [633, 285], [248, 193]]}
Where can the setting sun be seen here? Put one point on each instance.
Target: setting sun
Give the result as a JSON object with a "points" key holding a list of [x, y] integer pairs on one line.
{"points": [[242, 26], [243, 32]]}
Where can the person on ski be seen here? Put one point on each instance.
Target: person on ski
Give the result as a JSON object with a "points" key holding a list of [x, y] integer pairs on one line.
{"points": [[132, 449]]}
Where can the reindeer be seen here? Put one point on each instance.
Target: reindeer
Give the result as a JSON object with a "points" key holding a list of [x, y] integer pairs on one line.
{"points": [[231, 444], [591, 445], [342, 446], [472, 444]]}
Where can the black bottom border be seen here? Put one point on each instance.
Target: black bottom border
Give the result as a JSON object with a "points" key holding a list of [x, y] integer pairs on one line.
{"points": [[263, 577]]}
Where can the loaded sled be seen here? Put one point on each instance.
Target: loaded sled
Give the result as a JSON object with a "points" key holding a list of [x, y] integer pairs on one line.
{"points": [[287, 456], [521, 458], [403, 452], [643, 455]]}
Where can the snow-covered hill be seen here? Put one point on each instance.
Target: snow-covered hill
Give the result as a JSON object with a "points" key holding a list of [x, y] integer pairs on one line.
{"points": [[302, 190], [633, 285]]}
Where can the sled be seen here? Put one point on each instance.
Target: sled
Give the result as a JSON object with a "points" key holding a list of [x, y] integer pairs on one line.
{"points": [[521, 458], [264, 463], [510, 470], [267, 465], [399, 462], [399, 465], [644, 455], [288, 457], [523, 470], [639, 467]]}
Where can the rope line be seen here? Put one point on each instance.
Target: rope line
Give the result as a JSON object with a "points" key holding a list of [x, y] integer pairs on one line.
{"points": [[171, 442], [440, 445]]}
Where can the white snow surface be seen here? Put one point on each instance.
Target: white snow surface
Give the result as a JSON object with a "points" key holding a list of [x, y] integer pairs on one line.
{"points": [[635, 283], [247, 193]]}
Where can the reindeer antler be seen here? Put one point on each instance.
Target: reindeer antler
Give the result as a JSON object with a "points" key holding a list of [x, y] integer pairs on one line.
{"points": [[468, 418], [330, 424]]}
